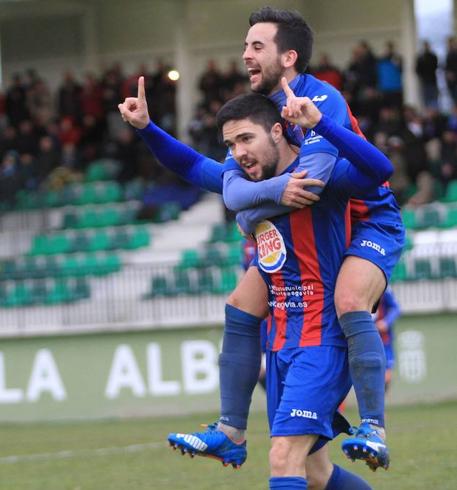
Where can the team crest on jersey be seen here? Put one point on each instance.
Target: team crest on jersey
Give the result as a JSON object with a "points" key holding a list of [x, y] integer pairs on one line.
{"points": [[270, 246]]}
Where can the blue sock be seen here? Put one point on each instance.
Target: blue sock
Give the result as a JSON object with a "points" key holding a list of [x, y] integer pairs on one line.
{"points": [[367, 364], [288, 482], [344, 480], [239, 365]]}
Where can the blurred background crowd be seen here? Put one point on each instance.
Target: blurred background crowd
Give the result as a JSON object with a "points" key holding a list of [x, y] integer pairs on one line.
{"points": [[43, 132]]}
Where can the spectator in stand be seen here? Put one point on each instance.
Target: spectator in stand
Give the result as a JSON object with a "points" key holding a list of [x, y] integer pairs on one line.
{"points": [[328, 72], [27, 140], [8, 140], [40, 103], [91, 140], [426, 66], [28, 172], [16, 102], [92, 97], [127, 153], [447, 165], [451, 68], [10, 177], [389, 76], [48, 157], [211, 83], [69, 97], [111, 85], [231, 80]]}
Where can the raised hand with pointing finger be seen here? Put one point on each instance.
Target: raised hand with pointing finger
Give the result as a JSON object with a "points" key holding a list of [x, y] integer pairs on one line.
{"points": [[134, 110], [299, 110]]}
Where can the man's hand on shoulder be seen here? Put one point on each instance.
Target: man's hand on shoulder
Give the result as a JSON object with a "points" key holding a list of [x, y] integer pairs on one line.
{"points": [[295, 195], [134, 110]]}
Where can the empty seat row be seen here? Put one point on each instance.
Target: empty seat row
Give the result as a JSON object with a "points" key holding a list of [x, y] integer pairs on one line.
{"points": [[43, 292], [431, 216], [73, 194], [196, 281], [99, 218], [72, 265], [61, 243], [218, 256], [425, 269]]}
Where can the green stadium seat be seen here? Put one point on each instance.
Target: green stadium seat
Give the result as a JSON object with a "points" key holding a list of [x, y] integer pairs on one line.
{"points": [[90, 265], [19, 295], [59, 244], [70, 220], [111, 263], [71, 266], [206, 283], [80, 242], [429, 218], [39, 291], [8, 270], [120, 239], [190, 258], [159, 286], [59, 293], [228, 280], [40, 245], [234, 254], [448, 267], [400, 272], [81, 289], [99, 241], [422, 270], [451, 192], [139, 238], [450, 220], [409, 218], [182, 281], [212, 256]]}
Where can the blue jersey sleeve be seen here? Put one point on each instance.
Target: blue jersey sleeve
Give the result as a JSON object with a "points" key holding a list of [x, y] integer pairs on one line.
{"points": [[183, 160], [362, 154], [332, 104]]}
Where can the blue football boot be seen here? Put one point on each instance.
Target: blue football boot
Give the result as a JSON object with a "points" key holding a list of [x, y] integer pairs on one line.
{"points": [[368, 445], [212, 443]]}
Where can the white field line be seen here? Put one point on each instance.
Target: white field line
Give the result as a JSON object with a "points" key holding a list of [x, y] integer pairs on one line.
{"points": [[68, 454]]}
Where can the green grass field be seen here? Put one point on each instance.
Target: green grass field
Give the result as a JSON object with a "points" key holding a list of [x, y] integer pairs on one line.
{"points": [[133, 454]]}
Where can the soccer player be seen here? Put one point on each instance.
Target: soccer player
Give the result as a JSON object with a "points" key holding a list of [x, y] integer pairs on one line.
{"points": [[311, 331], [279, 44], [386, 315]]}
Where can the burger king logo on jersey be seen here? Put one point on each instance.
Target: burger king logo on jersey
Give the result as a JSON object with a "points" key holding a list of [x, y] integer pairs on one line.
{"points": [[270, 246]]}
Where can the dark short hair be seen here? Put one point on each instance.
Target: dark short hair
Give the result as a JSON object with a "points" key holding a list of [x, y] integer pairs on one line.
{"points": [[258, 108], [293, 33]]}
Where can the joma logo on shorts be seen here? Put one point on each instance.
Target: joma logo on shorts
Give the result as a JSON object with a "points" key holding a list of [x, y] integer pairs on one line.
{"points": [[373, 245], [303, 413]]}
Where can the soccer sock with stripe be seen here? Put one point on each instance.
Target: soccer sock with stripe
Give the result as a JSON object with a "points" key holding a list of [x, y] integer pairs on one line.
{"points": [[344, 480], [288, 483], [367, 364], [239, 366]]}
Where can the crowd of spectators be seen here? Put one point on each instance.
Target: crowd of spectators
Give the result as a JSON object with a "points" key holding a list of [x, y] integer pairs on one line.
{"points": [[41, 131]]}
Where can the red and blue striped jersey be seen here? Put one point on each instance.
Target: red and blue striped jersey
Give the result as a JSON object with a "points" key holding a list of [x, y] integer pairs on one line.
{"points": [[299, 256]]}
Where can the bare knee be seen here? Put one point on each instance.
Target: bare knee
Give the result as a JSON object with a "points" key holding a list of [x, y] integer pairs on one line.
{"points": [[346, 301], [279, 453]]}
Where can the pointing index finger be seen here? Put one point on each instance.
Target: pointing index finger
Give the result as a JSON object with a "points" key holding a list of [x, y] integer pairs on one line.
{"points": [[285, 86], [141, 94]]}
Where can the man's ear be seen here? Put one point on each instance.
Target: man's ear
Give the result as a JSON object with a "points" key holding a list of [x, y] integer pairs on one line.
{"points": [[289, 58], [276, 132]]}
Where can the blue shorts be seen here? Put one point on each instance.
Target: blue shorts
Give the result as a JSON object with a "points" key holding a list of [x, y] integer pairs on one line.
{"points": [[381, 245], [305, 386]]}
